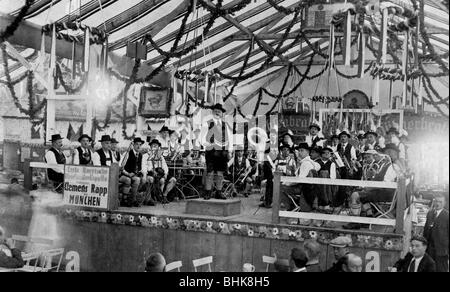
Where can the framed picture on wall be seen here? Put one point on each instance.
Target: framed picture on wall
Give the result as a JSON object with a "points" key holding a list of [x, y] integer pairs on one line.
{"points": [[155, 102], [356, 99]]}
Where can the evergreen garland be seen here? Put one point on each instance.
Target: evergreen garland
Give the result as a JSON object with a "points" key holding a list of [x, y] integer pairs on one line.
{"points": [[10, 29]]}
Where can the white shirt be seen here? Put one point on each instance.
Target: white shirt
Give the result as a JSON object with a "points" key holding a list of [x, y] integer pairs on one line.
{"points": [[417, 263], [306, 165], [150, 165], [96, 159], [309, 139], [76, 158], [438, 212], [51, 159], [391, 174]]}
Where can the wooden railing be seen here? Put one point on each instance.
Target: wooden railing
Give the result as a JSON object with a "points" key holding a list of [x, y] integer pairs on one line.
{"points": [[398, 222]]}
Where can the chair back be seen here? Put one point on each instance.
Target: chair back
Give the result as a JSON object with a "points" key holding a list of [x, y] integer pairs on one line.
{"points": [[28, 258], [48, 259], [174, 266], [203, 262], [268, 261], [30, 240]]}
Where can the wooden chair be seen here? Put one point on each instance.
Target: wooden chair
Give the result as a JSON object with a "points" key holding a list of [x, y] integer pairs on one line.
{"points": [[174, 266], [269, 261], [203, 262], [48, 259], [29, 266]]}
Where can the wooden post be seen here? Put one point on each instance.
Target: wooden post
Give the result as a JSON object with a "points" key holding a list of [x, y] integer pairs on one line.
{"points": [[27, 175], [113, 200], [276, 198], [401, 206]]}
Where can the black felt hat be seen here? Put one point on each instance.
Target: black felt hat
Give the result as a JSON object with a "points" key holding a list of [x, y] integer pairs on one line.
{"points": [[84, 136], [302, 146], [393, 130], [155, 141], [164, 129], [327, 149], [138, 140], [105, 138], [344, 133], [370, 133], [114, 141], [56, 138], [315, 126]]}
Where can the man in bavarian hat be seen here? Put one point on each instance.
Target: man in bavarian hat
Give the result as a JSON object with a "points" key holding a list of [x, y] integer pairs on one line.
{"points": [[340, 246], [115, 151], [131, 174], [217, 139], [164, 139], [55, 156], [314, 139], [83, 154], [371, 141], [394, 138], [103, 156]]}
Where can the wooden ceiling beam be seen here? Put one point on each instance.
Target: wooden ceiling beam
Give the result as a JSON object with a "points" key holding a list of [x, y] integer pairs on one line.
{"points": [[87, 10], [153, 28]]}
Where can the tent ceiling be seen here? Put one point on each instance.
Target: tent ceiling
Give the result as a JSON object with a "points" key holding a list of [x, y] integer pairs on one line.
{"points": [[226, 44]]}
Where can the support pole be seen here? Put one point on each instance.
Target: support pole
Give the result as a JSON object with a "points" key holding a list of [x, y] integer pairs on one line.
{"points": [[276, 198], [400, 206]]}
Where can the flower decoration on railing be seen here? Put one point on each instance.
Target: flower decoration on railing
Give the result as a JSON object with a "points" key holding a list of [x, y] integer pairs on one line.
{"points": [[326, 99]]}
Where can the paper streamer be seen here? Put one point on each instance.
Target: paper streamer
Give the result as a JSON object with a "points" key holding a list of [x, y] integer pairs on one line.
{"points": [[52, 70], [332, 47], [87, 39], [348, 39], [362, 54], [405, 68], [206, 87], [383, 41]]}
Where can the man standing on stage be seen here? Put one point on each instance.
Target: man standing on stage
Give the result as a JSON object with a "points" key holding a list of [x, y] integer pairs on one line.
{"points": [[164, 139], [55, 156], [436, 232], [216, 137], [132, 172], [103, 156], [83, 154]]}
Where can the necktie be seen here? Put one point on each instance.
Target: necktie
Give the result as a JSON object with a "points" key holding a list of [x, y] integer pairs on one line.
{"points": [[412, 266]]}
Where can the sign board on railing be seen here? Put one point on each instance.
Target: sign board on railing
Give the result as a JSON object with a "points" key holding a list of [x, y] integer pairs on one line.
{"points": [[86, 186]]}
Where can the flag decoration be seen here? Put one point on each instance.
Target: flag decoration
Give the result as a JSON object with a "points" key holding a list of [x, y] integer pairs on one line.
{"points": [[362, 53], [348, 39]]}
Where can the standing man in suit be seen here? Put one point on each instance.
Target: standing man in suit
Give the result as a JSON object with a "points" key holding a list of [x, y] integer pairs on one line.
{"points": [[417, 260], [104, 156], [313, 138], [132, 173], [55, 156], [436, 232]]}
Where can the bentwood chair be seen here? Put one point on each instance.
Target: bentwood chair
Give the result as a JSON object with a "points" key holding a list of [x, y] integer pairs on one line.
{"points": [[49, 255], [31, 263], [203, 262], [174, 266]]}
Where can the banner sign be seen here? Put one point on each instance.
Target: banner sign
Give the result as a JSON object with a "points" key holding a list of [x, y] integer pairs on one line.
{"points": [[297, 123], [86, 186]]}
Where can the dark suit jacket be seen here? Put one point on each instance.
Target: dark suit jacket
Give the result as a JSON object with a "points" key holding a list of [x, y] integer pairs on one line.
{"points": [[427, 264], [13, 262], [437, 235]]}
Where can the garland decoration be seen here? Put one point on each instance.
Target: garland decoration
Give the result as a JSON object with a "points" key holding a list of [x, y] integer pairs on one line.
{"points": [[32, 108], [282, 89], [10, 29], [157, 70], [271, 55], [326, 99], [67, 88], [97, 36], [219, 11], [303, 4]]}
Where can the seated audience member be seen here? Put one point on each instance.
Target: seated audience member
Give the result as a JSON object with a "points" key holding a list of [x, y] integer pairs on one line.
{"points": [[268, 168], [394, 138], [369, 167], [239, 168], [298, 260], [361, 200], [155, 263], [304, 193], [417, 260], [371, 141], [327, 193], [10, 257], [341, 249], [312, 250], [164, 139], [83, 154], [352, 264], [104, 156], [156, 173], [131, 174], [55, 156], [333, 143], [288, 138], [281, 266]]}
